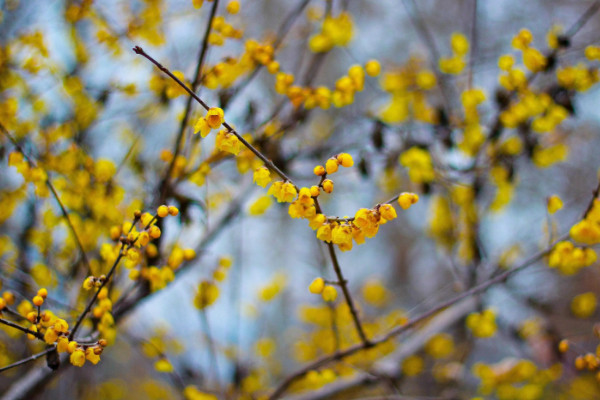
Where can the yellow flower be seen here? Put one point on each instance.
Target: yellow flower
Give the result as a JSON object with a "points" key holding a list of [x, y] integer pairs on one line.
{"points": [[61, 326], [366, 220], [215, 117], [406, 199], [162, 211], [61, 345], [586, 231], [505, 62], [440, 345], [283, 192], [522, 40], [482, 325], [345, 160], [207, 294], [584, 305], [419, 164], [459, 44], [233, 7], [387, 212], [554, 204], [533, 59], [331, 166], [412, 365], [202, 127], [317, 286], [328, 185], [260, 206], [50, 336], [227, 141], [372, 68], [329, 293], [77, 358], [91, 355], [163, 365], [262, 176], [375, 293]]}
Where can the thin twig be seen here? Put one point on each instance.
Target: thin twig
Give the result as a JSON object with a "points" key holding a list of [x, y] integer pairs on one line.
{"points": [[281, 33], [473, 52], [28, 359], [417, 20], [268, 163], [188, 104], [90, 303], [347, 296], [211, 347], [583, 19], [64, 211], [338, 355], [21, 328]]}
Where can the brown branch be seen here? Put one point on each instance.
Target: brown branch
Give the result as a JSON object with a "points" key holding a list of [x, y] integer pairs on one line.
{"points": [[64, 211], [21, 328], [281, 33], [188, 105], [473, 34], [28, 359], [268, 163], [338, 355], [89, 305], [347, 296]]}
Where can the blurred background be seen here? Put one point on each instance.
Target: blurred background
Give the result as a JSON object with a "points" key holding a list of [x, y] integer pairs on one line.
{"points": [[73, 91]]}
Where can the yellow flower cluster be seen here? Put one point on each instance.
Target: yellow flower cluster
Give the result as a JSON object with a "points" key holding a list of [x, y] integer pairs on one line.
{"points": [[335, 31], [533, 59], [544, 157], [545, 115], [501, 177], [221, 30], [147, 24], [208, 291], [54, 330], [331, 166], [284, 192], [483, 324], [317, 379], [419, 164], [227, 72], [577, 77], [323, 97], [31, 174], [408, 87], [569, 259], [514, 378], [513, 78], [587, 231], [318, 286], [473, 137], [441, 221], [460, 48]]}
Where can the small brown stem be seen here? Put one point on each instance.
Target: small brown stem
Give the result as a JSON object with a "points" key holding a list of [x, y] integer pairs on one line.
{"points": [[268, 163], [347, 296], [21, 328], [28, 359]]}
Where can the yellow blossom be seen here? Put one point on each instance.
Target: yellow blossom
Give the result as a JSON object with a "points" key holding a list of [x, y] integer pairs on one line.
{"points": [[215, 117]]}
